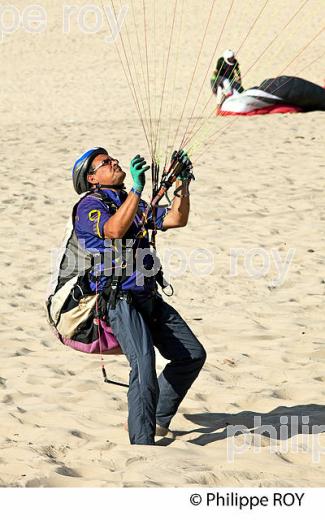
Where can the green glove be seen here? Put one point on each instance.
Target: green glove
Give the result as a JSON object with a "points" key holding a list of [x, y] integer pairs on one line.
{"points": [[138, 168], [186, 173]]}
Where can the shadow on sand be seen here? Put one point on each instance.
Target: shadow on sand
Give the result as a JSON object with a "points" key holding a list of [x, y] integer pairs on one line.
{"points": [[281, 423]]}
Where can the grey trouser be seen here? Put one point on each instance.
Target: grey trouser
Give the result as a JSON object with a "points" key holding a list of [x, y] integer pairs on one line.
{"points": [[138, 328]]}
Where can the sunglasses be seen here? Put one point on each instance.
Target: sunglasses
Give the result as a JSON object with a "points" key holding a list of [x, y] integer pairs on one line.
{"points": [[105, 162]]}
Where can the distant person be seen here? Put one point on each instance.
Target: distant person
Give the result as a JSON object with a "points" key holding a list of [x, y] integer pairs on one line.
{"points": [[227, 74]]}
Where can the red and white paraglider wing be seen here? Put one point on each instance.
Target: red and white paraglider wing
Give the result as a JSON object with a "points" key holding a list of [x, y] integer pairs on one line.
{"points": [[254, 102]]}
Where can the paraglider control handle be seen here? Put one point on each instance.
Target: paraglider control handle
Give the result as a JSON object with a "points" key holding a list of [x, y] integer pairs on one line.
{"points": [[176, 168]]}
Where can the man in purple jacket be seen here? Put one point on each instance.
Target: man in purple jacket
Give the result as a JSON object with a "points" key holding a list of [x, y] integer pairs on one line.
{"points": [[138, 316]]}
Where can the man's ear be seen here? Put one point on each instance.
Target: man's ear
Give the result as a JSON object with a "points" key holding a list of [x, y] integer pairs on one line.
{"points": [[91, 178]]}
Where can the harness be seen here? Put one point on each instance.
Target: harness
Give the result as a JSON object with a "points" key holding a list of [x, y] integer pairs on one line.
{"points": [[112, 289], [78, 312]]}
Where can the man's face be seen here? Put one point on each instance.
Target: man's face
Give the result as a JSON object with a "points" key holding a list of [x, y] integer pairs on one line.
{"points": [[108, 171]]}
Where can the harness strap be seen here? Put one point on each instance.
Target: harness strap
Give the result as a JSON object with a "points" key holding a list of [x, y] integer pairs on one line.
{"points": [[114, 291], [162, 282]]}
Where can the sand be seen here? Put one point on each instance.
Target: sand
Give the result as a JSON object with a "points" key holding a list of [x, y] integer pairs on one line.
{"points": [[259, 185]]}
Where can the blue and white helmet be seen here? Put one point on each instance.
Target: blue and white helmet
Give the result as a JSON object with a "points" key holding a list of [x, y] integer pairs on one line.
{"points": [[81, 169]]}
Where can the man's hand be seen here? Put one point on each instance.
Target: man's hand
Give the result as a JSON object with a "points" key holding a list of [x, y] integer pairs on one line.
{"points": [[138, 168], [187, 172], [178, 214]]}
